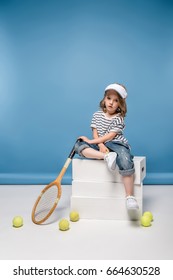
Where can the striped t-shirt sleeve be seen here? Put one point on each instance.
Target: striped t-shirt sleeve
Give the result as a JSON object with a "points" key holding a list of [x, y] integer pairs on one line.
{"points": [[117, 125], [93, 121]]}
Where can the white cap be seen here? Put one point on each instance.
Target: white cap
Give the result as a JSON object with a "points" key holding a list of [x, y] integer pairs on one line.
{"points": [[120, 89]]}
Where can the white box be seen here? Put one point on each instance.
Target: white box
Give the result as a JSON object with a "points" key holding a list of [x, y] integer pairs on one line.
{"points": [[103, 189], [98, 193], [102, 208], [96, 170]]}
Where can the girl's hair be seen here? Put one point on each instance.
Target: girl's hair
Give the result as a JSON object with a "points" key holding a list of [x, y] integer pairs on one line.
{"points": [[122, 108]]}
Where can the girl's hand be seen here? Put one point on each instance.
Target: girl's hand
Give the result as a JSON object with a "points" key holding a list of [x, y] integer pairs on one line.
{"points": [[103, 148], [86, 139]]}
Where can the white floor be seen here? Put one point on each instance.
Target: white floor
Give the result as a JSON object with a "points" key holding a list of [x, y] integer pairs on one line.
{"points": [[86, 239]]}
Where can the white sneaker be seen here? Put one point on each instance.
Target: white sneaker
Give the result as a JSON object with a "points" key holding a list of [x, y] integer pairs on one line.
{"points": [[132, 207], [110, 159], [131, 202]]}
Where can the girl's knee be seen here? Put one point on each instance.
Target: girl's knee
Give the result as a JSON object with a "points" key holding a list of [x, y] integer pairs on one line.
{"points": [[125, 160], [80, 146]]}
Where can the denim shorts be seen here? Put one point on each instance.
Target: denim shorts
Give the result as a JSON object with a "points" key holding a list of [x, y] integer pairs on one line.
{"points": [[124, 158]]}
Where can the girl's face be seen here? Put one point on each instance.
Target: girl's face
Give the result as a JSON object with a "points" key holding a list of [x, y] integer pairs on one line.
{"points": [[111, 103]]}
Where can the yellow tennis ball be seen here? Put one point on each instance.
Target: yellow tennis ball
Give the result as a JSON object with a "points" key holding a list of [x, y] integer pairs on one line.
{"points": [[17, 221], [74, 216], [149, 214], [64, 224], [145, 221]]}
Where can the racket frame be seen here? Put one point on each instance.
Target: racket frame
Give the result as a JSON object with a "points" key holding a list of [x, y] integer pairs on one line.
{"points": [[57, 183]]}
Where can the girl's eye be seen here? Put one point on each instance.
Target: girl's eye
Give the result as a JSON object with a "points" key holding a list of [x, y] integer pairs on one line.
{"points": [[114, 100]]}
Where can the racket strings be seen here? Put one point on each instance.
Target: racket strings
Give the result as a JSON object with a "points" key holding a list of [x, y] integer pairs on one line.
{"points": [[46, 203]]}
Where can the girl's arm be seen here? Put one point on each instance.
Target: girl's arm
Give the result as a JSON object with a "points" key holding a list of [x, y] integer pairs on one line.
{"points": [[99, 140], [102, 147], [95, 133]]}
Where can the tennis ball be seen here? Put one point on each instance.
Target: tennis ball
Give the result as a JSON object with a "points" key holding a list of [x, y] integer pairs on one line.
{"points": [[149, 214], [145, 221], [64, 224], [17, 221], [74, 216]]}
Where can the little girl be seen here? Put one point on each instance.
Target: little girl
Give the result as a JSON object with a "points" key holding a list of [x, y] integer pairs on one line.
{"points": [[108, 141]]}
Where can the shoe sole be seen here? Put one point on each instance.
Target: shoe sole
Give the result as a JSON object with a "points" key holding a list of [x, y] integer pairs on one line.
{"points": [[133, 214], [112, 168]]}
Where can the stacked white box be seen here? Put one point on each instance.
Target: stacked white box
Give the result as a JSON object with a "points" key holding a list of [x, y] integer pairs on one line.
{"points": [[98, 193]]}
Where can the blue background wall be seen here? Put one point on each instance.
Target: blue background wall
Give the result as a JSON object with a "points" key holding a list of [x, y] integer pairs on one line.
{"points": [[56, 58]]}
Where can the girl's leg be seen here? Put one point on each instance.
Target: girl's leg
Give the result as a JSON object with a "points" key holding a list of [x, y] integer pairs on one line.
{"points": [[128, 182], [126, 169], [91, 153], [131, 202], [110, 158]]}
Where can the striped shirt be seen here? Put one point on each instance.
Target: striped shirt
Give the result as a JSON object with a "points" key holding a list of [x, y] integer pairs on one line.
{"points": [[104, 125]]}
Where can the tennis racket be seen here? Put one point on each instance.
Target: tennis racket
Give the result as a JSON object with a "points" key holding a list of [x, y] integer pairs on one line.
{"points": [[49, 197]]}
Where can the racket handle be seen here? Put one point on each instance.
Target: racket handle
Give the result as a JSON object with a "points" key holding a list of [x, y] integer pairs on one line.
{"points": [[68, 161], [72, 153]]}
